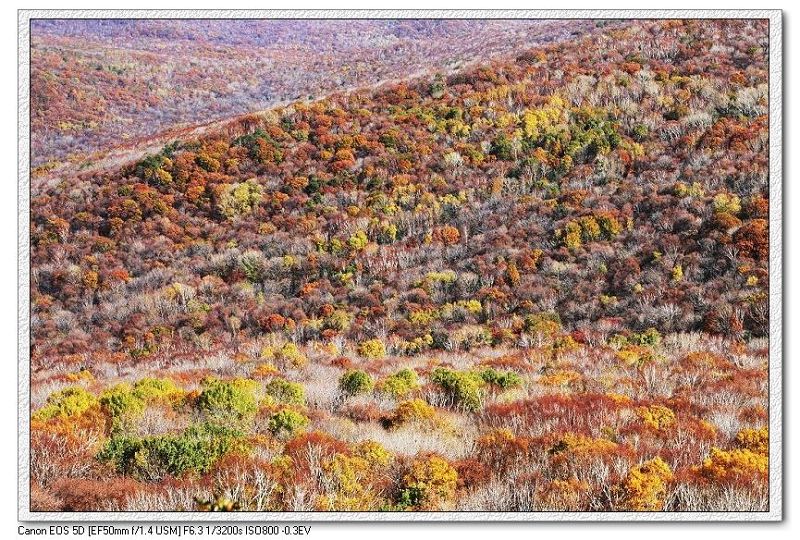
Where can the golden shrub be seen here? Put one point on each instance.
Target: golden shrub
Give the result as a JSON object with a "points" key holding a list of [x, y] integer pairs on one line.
{"points": [[349, 490], [755, 440], [578, 444], [429, 484], [656, 417], [266, 369], [81, 375], [562, 379], [621, 399], [724, 465], [635, 356], [413, 410], [376, 455], [645, 487]]}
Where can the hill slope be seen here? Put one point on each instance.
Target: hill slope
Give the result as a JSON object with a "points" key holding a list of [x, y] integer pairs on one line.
{"points": [[626, 187]]}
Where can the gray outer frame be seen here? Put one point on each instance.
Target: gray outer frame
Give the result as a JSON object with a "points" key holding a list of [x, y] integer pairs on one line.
{"points": [[775, 268]]}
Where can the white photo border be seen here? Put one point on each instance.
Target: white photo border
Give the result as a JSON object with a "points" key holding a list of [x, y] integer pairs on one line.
{"points": [[775, 512]]}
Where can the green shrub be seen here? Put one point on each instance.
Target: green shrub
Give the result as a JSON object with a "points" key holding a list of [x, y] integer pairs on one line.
{"points": [[465, 389], [150, 389], [409, 497], [355, 381], [649, 338], [372, 348], [503, 379], [239, 199], [640, 132], [502, 147], [286, 392], [122, 405], [358, 241], [151, 458], [401, 383], [152, 168], [286, 422], [438, 87], [234, 399], [70, 401], [618, 341]]}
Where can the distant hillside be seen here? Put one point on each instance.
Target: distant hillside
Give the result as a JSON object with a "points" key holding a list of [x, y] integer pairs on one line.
{"points": [[96, 84]]}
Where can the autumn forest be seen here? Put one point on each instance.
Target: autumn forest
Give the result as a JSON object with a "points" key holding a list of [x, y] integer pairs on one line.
{"points": [[415, 266]]}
